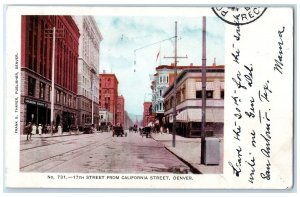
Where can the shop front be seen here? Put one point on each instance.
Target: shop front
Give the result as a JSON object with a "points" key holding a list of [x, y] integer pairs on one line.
{"points": [[37, 112]]}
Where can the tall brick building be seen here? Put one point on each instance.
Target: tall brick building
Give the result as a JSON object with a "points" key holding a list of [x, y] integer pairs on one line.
{"points": [[120, 110], [36, 67], [108, 93]]}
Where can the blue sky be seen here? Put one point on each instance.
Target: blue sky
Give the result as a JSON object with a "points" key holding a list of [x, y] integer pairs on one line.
{"points": [[122, 35]]}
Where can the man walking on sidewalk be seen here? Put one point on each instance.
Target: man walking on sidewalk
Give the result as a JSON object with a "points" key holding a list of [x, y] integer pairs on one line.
{"points": [[28, 130]]}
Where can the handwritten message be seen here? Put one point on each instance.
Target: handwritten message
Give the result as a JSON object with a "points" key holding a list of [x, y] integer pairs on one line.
{"points": [[252, 112]]}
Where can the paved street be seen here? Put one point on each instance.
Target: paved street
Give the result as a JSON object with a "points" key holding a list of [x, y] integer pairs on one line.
{"points": [[99, 152]]}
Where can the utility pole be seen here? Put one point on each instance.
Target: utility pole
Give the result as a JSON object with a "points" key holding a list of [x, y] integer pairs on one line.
{"points": [[203, 133], [175, 87], [93, 72], [51, 33]]}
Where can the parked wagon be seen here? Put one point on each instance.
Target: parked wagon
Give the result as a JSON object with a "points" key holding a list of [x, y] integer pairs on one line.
{"points": [[133, 128], [119, 131], [146, 131]]}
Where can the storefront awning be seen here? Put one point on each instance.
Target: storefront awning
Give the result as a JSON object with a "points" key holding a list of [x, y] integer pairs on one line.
{"points": [[195, 115], [209, 86]]}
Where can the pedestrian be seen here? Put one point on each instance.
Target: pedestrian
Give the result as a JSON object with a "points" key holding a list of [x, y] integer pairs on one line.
{"points": [[59, 130], [40, 128], [48, 129], [33, 129], [28, 131], [53, 128]]}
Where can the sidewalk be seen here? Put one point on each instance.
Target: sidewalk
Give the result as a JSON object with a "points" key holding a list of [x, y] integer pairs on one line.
{"points": [[48, 135], [189, 150]]}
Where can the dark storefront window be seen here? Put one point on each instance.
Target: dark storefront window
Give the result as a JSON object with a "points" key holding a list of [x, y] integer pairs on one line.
{"points": [[31, 86], [209, 94], [222, 94], [198, 94]]}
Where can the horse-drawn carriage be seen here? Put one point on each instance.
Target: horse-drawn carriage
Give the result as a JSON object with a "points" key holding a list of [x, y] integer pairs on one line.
{"points": [[146, 131], [119, 131], [133, 128]]}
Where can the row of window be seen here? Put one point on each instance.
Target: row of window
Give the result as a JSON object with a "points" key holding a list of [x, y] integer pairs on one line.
{"points": [[86, 119], [87, 106], [39, 50], [180, 96], [163, 79], [44, 91], [159, 107], [90, 46]]}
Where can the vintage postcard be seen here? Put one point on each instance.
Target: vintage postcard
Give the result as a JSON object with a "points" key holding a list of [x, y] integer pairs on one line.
{"points": [[149, 97]]}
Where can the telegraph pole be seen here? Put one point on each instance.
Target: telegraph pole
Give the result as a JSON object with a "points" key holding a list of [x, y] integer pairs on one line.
{"points": [[93, 72], [51, 33], [175, 87], [203, 133]]}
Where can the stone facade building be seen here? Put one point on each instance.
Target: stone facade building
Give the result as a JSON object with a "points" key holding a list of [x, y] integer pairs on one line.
{"points": [[88, 69]]}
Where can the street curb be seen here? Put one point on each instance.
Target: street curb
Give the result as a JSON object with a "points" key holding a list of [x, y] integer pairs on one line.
{"points": [[55, 136], [191, 166]]}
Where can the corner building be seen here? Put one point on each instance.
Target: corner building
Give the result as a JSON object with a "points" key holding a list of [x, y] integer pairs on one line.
{"points": [[189, 102], [36, 70]]}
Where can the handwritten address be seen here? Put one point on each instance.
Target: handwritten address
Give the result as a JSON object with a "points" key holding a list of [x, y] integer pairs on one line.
{"points": [[252, 108]]}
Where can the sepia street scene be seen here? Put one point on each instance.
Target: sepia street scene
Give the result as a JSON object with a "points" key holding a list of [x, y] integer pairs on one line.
{"points": [[104, 94]]}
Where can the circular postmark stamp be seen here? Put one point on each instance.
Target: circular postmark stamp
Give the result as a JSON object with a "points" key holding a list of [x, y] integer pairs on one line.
{"points": [[239, 15]]}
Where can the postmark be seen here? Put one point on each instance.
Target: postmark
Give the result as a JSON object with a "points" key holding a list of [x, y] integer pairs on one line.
{"points": [[239, 15]]}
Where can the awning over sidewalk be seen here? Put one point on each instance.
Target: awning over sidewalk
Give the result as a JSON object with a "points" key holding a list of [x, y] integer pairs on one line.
{"points": [[210, 85], [195, 115]]}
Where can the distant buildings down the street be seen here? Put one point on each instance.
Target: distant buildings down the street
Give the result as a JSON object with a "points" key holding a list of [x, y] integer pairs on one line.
{"points": [[108, 93], [148, 118], [120, 111]]}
